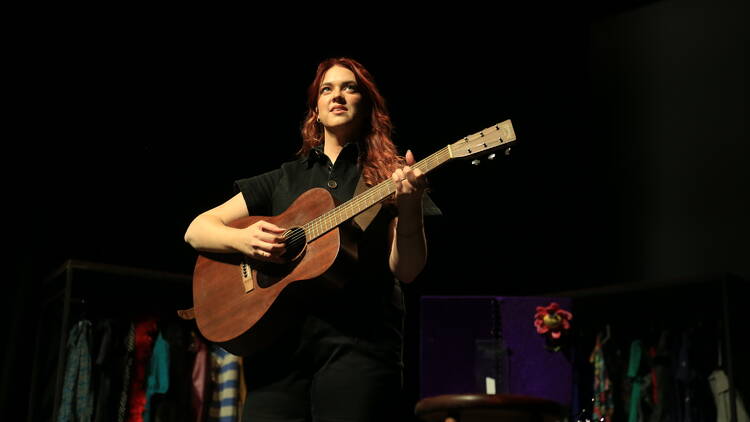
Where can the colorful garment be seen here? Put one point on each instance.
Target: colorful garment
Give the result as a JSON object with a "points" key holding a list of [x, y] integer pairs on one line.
{"points": [[145, 332], [603, 403]]}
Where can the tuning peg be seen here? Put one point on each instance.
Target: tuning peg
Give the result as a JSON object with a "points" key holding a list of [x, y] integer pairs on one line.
{"points": [[491, 156], [475, 162], [507, 151]]}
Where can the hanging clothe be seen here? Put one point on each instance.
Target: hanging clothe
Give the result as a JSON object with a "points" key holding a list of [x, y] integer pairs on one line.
{"points": [[173, 405], [243, 385], [145, 331], [158, 374], [225, 376], [603, 406], [77, 398], [661, 380], [104, 381], [127, 374], [110, 357], [720, 388], [200, 378], [635, 392]]}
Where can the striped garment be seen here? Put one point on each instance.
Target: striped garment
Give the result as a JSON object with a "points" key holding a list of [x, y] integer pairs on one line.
{"points": [[226, 379]]}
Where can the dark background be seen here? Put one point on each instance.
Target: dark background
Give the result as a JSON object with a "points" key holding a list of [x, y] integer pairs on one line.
{"points": [[629, 166]]}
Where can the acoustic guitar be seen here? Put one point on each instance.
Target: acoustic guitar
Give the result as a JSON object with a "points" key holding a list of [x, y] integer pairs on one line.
{"points": [[236, 300]]}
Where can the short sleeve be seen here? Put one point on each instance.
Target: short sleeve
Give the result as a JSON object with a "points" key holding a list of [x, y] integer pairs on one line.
{"points": [[258, 191]]}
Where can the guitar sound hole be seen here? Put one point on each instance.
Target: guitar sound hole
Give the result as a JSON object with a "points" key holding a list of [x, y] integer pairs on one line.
{"points": [[295, 243], [270, 273]]}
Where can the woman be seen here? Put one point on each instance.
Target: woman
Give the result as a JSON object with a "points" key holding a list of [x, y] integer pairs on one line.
{"points": [[342, 361]]}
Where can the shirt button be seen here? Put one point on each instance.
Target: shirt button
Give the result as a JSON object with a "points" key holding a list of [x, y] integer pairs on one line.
{"points": [[332, 184]]}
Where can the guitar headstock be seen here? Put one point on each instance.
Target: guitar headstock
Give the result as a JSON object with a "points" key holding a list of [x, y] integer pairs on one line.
{"points": [[493, 137]]}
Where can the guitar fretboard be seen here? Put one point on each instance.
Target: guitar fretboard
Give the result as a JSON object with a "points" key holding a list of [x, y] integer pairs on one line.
{"points": [[360, 203]]}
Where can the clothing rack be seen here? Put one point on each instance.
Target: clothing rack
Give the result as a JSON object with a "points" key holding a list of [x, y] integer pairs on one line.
{"points": [[718, 293], [71, 284]]}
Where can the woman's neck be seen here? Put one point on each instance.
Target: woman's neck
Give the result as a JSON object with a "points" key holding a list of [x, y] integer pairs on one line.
{"points": [[333, 144]]}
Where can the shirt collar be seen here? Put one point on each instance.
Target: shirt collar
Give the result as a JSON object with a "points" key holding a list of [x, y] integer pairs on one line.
{"points": [[350, 151]]}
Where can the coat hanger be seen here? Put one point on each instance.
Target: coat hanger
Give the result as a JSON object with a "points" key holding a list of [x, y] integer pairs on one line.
{"points": [[608, 334]]}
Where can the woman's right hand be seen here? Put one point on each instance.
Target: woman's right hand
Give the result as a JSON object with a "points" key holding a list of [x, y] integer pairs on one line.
{"points": [[262, 241]]}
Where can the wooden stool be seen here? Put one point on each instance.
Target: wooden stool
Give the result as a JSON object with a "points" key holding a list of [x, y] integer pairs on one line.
{"points": [[488, 407]]}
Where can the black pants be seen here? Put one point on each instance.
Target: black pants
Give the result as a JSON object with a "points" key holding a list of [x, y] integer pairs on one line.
{"points": [[319, 374]]}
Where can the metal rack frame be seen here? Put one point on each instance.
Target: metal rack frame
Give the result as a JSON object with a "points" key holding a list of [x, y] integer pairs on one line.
{"points": [[69, 270], [725, 281]]}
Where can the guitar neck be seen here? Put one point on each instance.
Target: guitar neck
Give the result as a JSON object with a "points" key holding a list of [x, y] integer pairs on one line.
{"points": [[360, 203], [484, 141]]}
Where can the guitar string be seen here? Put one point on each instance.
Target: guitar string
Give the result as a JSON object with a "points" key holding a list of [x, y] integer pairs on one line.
{"points": [[347, 209], [333, 218], [359, 203]]}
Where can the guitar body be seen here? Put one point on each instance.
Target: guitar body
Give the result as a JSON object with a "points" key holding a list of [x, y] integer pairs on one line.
{"points": [[244, 305], [238, 315]]}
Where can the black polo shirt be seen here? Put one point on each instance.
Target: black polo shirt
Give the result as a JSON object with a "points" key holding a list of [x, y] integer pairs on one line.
{"points": [[273, 192], [370, 307]]}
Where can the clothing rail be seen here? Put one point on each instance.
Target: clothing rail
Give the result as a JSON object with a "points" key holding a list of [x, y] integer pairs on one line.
{"points": [[69, 270], [720, 284]]}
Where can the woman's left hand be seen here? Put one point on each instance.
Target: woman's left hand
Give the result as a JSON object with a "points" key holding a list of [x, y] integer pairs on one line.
{"points": [[410, 184]]}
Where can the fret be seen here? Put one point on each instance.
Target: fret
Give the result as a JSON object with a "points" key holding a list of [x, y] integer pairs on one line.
{"points": [[367, 199], [490, 138]]}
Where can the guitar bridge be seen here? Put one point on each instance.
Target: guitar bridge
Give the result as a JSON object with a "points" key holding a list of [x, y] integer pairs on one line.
{"points": [[247, 276]]}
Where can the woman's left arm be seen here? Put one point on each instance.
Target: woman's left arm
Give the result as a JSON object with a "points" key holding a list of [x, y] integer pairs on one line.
{"points": [[409, 245]]}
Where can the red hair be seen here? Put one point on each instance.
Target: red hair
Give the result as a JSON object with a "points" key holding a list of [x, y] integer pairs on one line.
{"points": [[378, 156]]}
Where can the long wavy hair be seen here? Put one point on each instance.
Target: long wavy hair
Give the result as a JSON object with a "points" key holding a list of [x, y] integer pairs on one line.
{"points": [[378, 155]]}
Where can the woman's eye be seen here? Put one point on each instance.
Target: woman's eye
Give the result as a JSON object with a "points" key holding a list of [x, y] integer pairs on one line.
{"points": [[352, 88], [325, 89]]}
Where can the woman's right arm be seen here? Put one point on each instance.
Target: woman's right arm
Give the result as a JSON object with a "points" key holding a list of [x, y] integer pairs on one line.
{"points": [[209, 232]]}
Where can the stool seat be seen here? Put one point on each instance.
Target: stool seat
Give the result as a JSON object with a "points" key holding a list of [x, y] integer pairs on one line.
{"points": [[489, 407]]}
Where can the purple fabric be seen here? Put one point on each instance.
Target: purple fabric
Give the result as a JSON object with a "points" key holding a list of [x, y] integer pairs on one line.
{"points": [[451, 328]]}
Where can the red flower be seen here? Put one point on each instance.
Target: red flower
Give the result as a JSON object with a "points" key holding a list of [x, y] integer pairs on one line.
{"points": [[552, 320]]}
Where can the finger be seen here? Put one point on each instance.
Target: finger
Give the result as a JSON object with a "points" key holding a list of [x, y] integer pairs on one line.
{"points": [[412, 177], [398, 177], [272, 248], [270, 227], [417, 179], [270, 238], [409, 157]]}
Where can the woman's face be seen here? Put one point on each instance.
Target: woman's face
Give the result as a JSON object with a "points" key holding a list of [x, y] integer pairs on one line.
{"points": [[340, 105]]}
